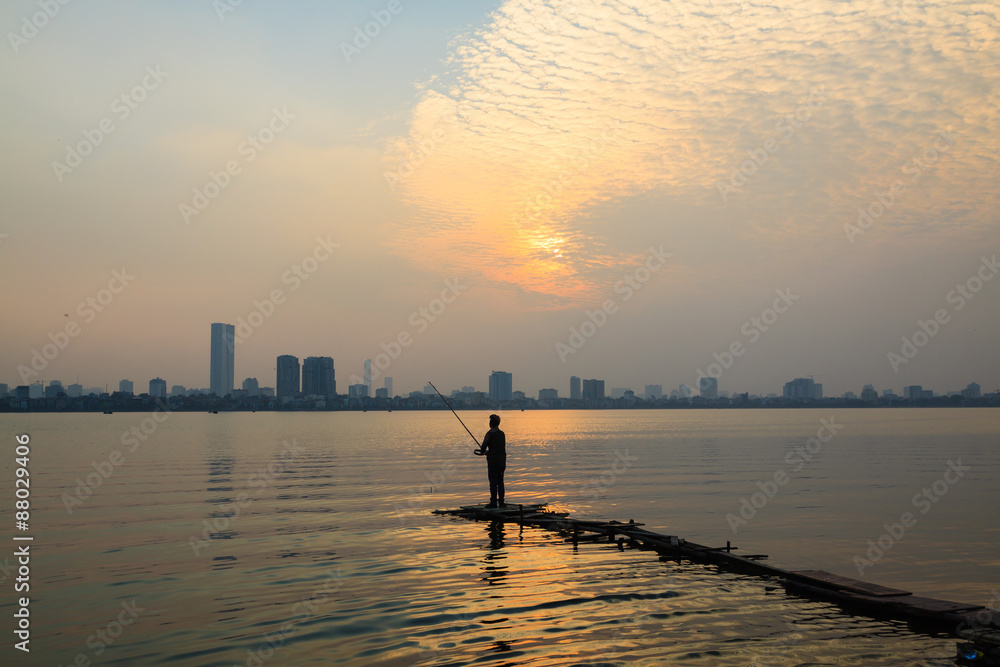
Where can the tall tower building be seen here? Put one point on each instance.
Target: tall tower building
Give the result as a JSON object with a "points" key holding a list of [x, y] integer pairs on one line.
{"points": [[125, 386], [973, 390], [574, 388], [803, 388], [287, 383], [223, 354], [388, 387], [157, 388], [593, 390], [368, 375], [317, 377], [501, 386]]}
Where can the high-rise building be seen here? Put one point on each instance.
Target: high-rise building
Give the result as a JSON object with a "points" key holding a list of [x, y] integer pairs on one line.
{"points": [[251, 387], [574, 388], [501, 386], [5, 391], [157, 388], [54, 389], [178, 390], [468, 389], [36, 390], [318, 377], [357, 391], [708, 387], [382, 392], [683, 391], [972, 391], [802, 388], [368, 375], [126, 387], [916, 391], [388, 387], [593, 390], [868, 394], [653, 392], [223, 355], [73, 391], [288, 376], [548, 394]]}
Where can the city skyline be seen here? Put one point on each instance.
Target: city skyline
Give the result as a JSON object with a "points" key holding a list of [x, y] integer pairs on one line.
{"points": [[316, 376], [290, 378], [500, 387], [631, 191]]}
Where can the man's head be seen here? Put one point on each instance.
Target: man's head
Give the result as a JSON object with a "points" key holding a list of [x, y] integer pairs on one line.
{"points": [[494, 421]]}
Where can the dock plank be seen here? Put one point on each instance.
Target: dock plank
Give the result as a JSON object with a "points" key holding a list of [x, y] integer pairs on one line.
{"points": [[830, 580], [924, 605]]}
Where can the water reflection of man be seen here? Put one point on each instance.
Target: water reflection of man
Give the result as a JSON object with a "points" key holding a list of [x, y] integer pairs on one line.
{"points": [[497, 535], [495, 448]]}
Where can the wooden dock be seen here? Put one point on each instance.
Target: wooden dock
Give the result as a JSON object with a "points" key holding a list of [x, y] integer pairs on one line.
{"points": [[968, 621]]}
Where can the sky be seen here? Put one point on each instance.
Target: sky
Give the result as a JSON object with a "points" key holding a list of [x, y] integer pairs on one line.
{"points": [[624, 190]]}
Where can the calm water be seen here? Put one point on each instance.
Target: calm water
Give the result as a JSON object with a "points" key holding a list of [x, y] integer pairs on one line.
{"points": [[307, 539]]}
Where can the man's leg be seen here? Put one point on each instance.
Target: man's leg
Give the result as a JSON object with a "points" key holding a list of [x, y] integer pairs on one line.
{"points": [[500, 470], [491, 472]]}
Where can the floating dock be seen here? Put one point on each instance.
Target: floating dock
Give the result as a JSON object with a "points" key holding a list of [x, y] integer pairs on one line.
{"points": [[975, 623]]}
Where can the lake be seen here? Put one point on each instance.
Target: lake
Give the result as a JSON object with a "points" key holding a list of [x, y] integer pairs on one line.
{"points": [[308, 539]]}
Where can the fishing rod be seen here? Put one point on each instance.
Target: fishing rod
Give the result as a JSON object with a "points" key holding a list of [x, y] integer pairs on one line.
{"points": [[456, 415]]}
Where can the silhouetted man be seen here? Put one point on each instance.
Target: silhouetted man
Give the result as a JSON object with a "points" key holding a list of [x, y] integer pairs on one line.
{"points": [[495, 449]]}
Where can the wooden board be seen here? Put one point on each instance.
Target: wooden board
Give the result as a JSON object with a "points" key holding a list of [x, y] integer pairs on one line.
{"points": [[932, 606], [830, 580]]}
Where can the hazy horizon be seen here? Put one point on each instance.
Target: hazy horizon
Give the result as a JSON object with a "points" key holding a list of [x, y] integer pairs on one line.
{"points": [[807, 184]]}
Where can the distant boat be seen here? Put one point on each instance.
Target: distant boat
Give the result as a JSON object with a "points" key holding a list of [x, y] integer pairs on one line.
{"points": [[108, 412], [215, 412]]}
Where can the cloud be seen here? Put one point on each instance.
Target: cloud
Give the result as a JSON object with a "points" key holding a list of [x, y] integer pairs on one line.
{"points": [[557, 109]]}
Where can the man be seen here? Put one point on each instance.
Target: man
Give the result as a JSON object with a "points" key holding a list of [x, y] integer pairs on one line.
{"points": [[495, 448]]}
